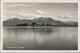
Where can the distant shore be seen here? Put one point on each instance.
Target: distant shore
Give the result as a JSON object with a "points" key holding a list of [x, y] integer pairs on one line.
{"points": [[35, 26]]}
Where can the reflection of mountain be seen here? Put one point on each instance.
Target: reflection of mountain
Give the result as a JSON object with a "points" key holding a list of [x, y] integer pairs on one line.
{"points": [[38, 22], [42, 30]]}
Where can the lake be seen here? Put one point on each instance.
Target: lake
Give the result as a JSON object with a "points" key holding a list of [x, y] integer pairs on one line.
{"points": [[40, 38]]}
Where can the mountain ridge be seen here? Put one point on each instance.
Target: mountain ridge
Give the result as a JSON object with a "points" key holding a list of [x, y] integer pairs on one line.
{"points": [[40, 21]]}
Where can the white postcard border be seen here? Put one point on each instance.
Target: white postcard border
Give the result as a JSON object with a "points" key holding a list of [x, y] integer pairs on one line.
{"points": [[50, 1]]}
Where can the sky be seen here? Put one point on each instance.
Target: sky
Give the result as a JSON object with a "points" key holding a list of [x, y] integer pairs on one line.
{"points": [[57, 11]]}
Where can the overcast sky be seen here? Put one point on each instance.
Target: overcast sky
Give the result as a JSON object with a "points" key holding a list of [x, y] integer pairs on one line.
{"points": [[58, 11]]}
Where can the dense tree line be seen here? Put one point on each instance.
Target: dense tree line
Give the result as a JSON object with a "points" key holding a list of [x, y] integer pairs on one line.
{"points": [[43, 24], [34, 24]]}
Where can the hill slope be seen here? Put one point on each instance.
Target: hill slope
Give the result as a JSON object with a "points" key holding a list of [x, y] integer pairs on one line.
{"points": [[41, 20]]}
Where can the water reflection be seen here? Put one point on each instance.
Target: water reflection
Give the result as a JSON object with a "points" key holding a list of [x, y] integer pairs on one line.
{"points": [[52, 38]]}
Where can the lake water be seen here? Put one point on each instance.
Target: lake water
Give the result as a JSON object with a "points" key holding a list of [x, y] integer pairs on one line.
{"points": [[40, 38]]}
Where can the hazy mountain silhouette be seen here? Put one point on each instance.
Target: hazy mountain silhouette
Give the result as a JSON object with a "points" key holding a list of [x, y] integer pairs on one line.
{"points": [[37, 21]]}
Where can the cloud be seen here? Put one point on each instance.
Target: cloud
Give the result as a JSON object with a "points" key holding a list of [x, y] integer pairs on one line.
{"points": [[69, 15], [22, 16], [41, 12], [65, 16], [29, 15], [72, 16]]}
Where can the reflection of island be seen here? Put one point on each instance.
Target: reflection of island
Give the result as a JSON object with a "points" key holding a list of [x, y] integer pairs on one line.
{"points": [[43, 30], [37, 22]]}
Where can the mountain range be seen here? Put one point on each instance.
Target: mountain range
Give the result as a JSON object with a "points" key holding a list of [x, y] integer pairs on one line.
{"points": [[41, 20]]}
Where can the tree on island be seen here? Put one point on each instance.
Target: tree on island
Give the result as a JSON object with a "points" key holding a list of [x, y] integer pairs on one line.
{"points": [[22, 24], [48, 24], [43, 24], [33, 24]]}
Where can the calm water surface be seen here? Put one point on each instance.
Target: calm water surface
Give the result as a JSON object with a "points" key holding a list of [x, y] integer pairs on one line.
{"points": [[40, 38]]}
